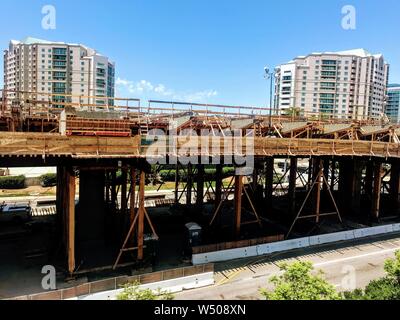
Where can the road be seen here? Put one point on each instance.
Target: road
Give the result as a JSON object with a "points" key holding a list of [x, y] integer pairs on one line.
{"points": [[346, 266]]}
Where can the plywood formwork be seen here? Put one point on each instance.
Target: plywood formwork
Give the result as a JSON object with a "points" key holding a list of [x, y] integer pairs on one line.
{"points": [[54, 145]]}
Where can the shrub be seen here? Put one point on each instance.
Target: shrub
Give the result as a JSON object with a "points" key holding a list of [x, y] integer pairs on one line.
{"points": [[386, 288], [48, 180], [382, 289], [298, 283], [133, 292], [12, 182]]}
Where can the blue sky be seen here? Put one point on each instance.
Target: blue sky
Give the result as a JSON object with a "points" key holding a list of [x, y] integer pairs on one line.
{"points": [[211, 51]]}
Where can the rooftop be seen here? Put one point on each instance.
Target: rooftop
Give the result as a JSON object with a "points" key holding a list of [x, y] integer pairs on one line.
{"points": [[32, 40], [354, 52]]}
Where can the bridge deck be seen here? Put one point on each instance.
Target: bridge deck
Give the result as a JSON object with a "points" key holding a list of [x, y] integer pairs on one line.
{"points": [[55, 145]]}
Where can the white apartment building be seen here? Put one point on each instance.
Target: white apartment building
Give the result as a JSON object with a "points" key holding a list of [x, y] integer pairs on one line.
{"points": [[346, 84], [38, 68]]}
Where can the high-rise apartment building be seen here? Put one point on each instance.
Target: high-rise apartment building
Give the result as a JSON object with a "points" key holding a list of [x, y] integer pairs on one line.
{"points": [[35, 68], [345, 84], [393, 103]]}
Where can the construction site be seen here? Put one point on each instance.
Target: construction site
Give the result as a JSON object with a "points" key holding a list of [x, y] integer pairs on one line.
{"points": [[242, 176]]}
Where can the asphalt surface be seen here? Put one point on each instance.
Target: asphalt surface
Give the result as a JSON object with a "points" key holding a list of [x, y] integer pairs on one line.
{"points": [[346, 266]]}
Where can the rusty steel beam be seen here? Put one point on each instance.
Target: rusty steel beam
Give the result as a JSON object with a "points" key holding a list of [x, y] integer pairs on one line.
{"points": [[132, 198], [141, 216], [70, 211], [395, 185], [124, 186], [376, 196], [238, 204], [218, 185], [200, 185], [269, 182], [292, 185]]}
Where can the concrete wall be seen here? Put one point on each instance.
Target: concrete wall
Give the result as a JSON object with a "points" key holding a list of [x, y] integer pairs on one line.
{"points": [[172, 280], [172, 286], [292, 244]]}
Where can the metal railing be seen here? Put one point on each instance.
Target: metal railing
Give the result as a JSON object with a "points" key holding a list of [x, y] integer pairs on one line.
{"points": [[134, 109]]}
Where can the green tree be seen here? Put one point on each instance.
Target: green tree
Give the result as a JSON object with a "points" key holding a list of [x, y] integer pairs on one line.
{"points": [[298, 283], [386, 288], [133, 292], [293, 112], [48, 179], [392, 268]]}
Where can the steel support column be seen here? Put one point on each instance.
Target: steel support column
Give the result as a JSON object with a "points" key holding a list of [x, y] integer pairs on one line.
{"points": [[70, 212], [319, 164], [218, 185], [124, 177], [356, 187], [395, 185], [200, 185], [292, 186], [238, 203], [376, 196], [132, 203], [177, 184], [141, 216], [189, 186], [269, 182]]}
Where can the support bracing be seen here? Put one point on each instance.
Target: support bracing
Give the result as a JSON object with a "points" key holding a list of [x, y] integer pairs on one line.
{"points": [[239, 190], [318, 182], [138, 222]]}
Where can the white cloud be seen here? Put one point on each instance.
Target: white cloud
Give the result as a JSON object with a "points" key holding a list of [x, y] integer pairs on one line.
{"points": [[146, 88]]}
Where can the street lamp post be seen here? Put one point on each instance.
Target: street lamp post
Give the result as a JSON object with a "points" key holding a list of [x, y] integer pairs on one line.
{"points": [[269, 76]]}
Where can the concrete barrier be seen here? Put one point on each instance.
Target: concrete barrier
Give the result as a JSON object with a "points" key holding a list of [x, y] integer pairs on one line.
{"points": [[282, 246], [224, 255], [268, 248], [289, 245], [171, 276], [172, 286], [332, 237], [367, 232]]}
